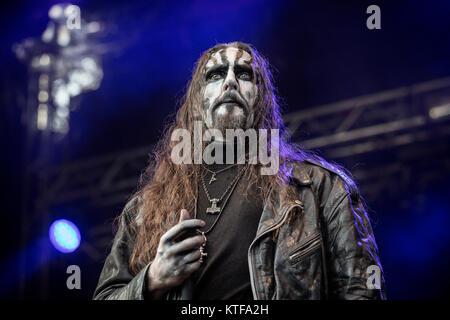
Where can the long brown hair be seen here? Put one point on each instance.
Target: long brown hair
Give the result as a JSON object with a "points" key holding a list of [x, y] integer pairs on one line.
{"points": [[166, 187]]}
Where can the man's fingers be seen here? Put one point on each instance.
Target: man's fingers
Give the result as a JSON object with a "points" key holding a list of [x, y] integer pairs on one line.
{"points": [[187, 244], [191, 267], [185, 270], [184, 215], [192, 256], [180, 227]]}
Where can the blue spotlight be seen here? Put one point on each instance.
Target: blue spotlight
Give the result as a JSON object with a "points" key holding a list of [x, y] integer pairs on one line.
{"points": [[64, 236]]}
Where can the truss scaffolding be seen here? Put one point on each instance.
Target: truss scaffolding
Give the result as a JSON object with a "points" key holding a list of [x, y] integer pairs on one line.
{"points": [[381, 138], [340, 131]]}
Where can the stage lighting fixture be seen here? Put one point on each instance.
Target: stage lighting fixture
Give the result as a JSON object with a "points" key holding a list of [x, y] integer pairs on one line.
{"points": [[64, 235], [67, 63]]}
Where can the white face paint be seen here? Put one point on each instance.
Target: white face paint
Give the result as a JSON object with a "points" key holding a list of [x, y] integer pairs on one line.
{"points": [[230, 94]]}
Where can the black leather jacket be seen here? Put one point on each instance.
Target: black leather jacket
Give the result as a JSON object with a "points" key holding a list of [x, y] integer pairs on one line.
{"points": [[317, 247]]}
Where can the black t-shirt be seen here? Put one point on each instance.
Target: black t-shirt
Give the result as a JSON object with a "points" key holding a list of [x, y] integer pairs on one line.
{"points": [[224, 274]]}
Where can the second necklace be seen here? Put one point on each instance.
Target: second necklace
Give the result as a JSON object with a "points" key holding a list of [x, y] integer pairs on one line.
{"points": [[214, 202]]}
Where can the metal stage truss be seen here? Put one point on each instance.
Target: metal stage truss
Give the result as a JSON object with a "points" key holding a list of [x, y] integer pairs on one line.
{"points": [[341, 131], [394, 134]]}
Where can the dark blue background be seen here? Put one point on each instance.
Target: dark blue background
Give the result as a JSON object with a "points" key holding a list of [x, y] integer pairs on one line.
{"points": [[322, 52]]}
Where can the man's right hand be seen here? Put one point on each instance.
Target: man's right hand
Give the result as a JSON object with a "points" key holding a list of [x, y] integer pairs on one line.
{"points": [[174, 262]]}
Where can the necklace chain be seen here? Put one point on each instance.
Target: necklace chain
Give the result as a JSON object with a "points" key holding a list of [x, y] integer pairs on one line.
{"points": [[226, 190], [233, 185], [214, 173], [221, 170]]}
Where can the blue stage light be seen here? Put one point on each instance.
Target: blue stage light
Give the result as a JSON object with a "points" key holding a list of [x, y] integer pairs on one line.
{"points": [[64, 235]]}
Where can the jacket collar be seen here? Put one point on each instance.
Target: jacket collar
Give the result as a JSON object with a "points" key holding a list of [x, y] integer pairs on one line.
{"points": [[271, 217]]}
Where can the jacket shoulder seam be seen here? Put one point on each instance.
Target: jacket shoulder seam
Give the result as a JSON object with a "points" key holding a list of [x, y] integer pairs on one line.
{"points": [[129, 211], [350, 185]]}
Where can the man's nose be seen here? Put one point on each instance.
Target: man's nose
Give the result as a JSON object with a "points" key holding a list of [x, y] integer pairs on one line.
{"points": [[230, 82]]}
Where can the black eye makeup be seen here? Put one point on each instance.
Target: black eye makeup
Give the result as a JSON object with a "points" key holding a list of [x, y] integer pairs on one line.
{"points": [[243, 73], [219, 72], [216, 73]]}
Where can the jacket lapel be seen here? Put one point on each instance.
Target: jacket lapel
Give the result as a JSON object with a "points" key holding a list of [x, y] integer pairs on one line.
{"points": [[270, 217]]}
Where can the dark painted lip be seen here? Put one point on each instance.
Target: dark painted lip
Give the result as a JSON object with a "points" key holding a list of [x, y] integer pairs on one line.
{"points": [[230, 103]]}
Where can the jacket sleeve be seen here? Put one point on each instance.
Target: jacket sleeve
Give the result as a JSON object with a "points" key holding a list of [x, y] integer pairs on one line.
{"points": [[116, 282], [354, 270]]}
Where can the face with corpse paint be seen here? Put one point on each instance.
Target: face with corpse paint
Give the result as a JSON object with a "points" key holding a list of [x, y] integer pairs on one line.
{"points": [[230, 92]]}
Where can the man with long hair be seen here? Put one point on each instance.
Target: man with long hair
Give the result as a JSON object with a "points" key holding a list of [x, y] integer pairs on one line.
{"points": [[215, 230]]}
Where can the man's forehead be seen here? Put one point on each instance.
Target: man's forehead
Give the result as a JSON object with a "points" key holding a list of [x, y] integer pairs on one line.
{"points": [[228, 56]]}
